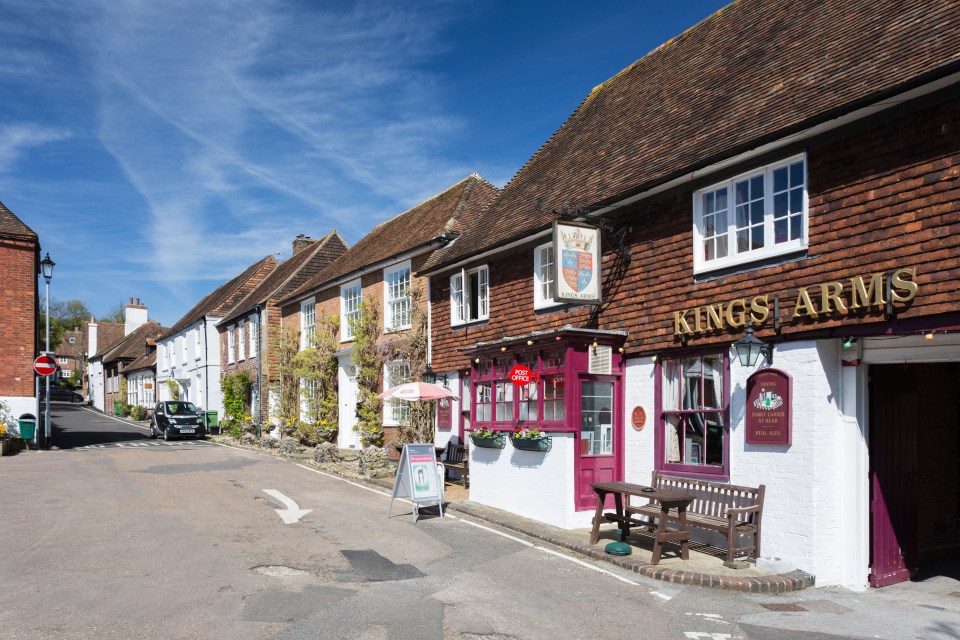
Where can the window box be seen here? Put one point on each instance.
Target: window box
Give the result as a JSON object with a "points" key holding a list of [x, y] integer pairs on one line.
{"points": [[485, 441], [542, 444]]}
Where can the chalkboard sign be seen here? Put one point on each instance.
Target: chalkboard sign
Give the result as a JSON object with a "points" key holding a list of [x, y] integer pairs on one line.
{"points": [[419, 478]]}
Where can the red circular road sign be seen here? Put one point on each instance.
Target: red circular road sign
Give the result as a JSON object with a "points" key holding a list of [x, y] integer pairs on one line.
{"points": [[44, 365]]}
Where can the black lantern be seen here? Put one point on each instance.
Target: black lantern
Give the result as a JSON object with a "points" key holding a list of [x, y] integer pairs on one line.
{"points": [[46, 268], [430, 376], [750, 347]]}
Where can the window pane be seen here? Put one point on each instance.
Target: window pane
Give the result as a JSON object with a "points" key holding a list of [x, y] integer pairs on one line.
{"points": [[780, 231], [553, 398], [504, 401], [757, 235], [695, 385], [528, 397], [796, 200], [795, 229], [780, 205], [780, 179], [596, 417], [796, 174]]}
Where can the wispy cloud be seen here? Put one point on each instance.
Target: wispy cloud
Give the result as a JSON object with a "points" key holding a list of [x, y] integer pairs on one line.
{"points": [[18, 138]]}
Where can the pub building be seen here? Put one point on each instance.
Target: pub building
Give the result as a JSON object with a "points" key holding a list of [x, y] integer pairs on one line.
{"points": [[767, 179]]}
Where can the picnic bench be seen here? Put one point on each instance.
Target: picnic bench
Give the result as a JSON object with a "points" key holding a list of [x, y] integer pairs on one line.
{"points": [[455, 457], [729, 509]]}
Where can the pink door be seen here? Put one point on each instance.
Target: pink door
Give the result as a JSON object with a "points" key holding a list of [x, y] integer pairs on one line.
{"points": [[599, 440], [893, 474]]}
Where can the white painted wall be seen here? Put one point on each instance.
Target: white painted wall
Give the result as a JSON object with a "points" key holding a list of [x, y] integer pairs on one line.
{"points": [[198, 374], [534, 485], [20, 406], [95, 383]]}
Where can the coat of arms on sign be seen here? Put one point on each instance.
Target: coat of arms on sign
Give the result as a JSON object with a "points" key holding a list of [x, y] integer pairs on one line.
{"points": [[576, 259]]}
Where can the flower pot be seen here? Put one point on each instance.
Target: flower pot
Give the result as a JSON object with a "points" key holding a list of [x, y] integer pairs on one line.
{"points": [[491, 442], [543, 443]]}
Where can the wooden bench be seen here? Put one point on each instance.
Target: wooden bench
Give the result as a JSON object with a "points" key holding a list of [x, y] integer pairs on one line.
{"points": [[730, 509], [455, 457]]}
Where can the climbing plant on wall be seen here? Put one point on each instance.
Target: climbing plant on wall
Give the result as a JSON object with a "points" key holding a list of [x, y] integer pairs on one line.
{"points": [[417, 424], [284, 345], [317, 369], [236, 394], [368, 361]]}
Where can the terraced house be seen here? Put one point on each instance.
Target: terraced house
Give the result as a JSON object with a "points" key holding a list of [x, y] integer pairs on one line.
{"points": [[781, 173], [377, 279], [248, 330]]}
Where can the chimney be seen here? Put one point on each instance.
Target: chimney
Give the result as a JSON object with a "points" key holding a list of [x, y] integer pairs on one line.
{"points": [[301, 242], [92, 337], [135, 316]]}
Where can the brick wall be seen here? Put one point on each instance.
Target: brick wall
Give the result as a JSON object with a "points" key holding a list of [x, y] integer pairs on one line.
{"points": [[883, 197], [18, 316], [249, 361]]}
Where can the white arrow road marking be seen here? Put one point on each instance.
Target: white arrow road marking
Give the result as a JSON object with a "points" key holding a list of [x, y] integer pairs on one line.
{"points": [[293, 512]]}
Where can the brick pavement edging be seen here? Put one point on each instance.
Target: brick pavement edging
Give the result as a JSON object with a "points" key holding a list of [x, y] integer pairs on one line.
{"points": [[780, 583]]}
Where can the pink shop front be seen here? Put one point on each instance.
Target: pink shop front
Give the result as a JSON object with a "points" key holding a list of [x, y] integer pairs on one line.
{"points": [[574, 396]]}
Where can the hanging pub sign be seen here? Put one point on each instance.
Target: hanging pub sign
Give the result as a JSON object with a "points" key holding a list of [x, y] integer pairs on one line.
{"points": [[576, 263], [769, 417]]}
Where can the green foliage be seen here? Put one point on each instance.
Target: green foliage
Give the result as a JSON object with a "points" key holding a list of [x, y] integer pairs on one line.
{"points": [[369, 363], [139, 413], [174, 389], [70, 314], [418, 423], [122, 393], [316, 367], [284, 345], [236, 394]]}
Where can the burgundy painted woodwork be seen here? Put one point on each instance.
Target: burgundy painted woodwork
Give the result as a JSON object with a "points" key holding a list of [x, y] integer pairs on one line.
{"points": [[893, 474]]}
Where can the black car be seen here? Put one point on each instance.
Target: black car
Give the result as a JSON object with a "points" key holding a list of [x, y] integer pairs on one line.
{"points": [[60, 393], [176, 419]]}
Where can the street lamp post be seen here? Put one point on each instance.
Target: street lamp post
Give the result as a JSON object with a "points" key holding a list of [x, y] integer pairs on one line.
{"points": [[46, 266]]}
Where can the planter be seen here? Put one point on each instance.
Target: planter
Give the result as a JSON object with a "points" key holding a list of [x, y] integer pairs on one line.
{"points": [[491, 442], [544, 443]]}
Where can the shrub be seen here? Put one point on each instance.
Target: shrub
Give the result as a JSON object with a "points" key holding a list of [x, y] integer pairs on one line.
{"points": [[139, 413]]}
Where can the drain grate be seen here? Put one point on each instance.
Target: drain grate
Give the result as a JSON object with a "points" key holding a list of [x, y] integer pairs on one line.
{"points": [[786, 606]]}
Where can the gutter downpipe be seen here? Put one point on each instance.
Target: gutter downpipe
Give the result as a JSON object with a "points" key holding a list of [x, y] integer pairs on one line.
{"points": [[259, 310], [206, 368]]}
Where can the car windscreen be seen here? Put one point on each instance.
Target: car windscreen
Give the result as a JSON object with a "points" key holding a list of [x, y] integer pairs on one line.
{"points": [[181, 408]]}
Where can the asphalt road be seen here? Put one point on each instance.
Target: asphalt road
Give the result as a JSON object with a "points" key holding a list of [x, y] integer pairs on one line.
{"points": [[114, 535]]}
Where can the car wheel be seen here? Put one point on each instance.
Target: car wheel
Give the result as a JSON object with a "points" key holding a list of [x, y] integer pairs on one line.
{"points": [[166, 434], [153, 432]]}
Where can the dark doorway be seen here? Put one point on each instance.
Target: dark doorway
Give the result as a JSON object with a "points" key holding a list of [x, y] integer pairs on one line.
{"points": [[914, 468]]}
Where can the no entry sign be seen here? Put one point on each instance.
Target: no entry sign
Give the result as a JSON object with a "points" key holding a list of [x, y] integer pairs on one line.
{"points": [[44, 365]]}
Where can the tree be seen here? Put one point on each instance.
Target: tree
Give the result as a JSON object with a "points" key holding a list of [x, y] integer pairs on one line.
{"points": [[71, 314], [116, 313]]}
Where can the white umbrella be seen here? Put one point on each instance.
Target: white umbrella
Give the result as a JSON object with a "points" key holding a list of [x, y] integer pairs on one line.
{"points": [[417, 391]]}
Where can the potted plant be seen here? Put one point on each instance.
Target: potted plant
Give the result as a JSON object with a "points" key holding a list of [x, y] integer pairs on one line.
{"points": [[487, 439], [530, 439], [6, 420]]}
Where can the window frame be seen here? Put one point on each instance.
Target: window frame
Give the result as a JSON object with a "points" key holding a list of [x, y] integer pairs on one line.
{"points": [[404, 296], [346, 332], [231, 337], [770, 249], [395, 412], [705, 471], [308, 322], [241, 344], [458, 307], [540, 301], [254, 323]]}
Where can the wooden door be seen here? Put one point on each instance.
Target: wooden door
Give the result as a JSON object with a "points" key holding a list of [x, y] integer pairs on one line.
{"points": [[599, 440], [893, 473]]}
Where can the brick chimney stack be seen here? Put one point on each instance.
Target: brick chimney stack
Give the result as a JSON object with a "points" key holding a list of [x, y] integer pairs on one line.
{"points": [[301, 242]]}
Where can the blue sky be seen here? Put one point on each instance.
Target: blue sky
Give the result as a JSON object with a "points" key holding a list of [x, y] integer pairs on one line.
{"points": [[159, 148]]}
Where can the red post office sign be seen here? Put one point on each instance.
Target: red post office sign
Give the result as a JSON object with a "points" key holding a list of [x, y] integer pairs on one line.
{"points": [[521, 375], [769, 418]]}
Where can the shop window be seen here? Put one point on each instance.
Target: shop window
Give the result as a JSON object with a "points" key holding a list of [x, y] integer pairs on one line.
{"points": [[553, 407], [529, 402], [694, 430], [504, 390], [553, 359], [483, 401], [754, 216]]}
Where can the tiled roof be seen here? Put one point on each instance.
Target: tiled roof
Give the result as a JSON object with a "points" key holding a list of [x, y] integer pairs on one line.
{"points": [[292, 273], [132, 346], [146, 361], [227, 295], [108, 334], [409, 230], [754, 72], [11, 225]]}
